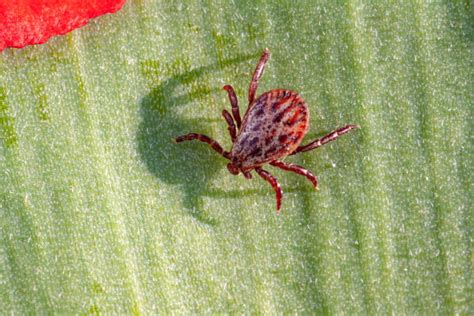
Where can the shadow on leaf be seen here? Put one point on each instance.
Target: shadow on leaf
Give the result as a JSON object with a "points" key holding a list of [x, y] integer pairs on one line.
{"points": [[192, 165]]}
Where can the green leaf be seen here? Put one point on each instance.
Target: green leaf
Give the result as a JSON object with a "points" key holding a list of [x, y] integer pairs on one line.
{"points": [[100, 213]]}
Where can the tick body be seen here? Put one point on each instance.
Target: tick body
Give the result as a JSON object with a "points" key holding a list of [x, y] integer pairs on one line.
{"points": [[273, 127]]}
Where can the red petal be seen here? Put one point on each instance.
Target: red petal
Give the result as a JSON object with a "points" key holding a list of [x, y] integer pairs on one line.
{"points": [[27, 22]]}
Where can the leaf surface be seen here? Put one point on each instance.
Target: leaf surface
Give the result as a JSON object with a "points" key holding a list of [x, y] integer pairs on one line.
{"points": [[101, 213]]}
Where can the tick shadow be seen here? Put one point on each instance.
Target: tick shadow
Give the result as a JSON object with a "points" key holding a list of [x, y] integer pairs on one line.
{"points": [[190, 165]]}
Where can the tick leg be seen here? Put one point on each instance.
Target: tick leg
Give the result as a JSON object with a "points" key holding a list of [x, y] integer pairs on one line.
{"points": [[257, 74], [234, 103], [325, 139], [205, 139], [273, 181], [296, 169], [230, 124]]}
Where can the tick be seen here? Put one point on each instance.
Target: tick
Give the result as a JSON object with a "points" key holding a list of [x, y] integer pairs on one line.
{"points": [[273, 127]]}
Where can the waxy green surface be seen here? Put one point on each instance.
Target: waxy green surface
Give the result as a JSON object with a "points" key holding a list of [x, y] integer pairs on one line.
{"points": [[100, 213]]}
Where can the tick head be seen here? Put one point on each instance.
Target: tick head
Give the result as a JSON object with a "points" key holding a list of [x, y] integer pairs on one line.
{"points": [[233, 169], [234, 166]]}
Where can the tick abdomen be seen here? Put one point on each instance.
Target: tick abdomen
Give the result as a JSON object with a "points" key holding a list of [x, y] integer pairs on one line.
{"points": [[273, 127]]}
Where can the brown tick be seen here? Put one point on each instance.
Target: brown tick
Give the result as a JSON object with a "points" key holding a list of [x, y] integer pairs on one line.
{"points": [[273, 127]]}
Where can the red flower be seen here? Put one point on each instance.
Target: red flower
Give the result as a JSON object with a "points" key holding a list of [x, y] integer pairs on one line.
{"points": [[27, 22]]}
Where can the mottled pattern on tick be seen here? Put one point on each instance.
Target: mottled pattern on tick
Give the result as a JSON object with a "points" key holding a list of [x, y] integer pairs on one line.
{"points": [[273, 127]]}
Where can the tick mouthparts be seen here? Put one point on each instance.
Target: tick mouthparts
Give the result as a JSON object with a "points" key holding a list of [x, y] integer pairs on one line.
{"points": [[232, 169]]}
